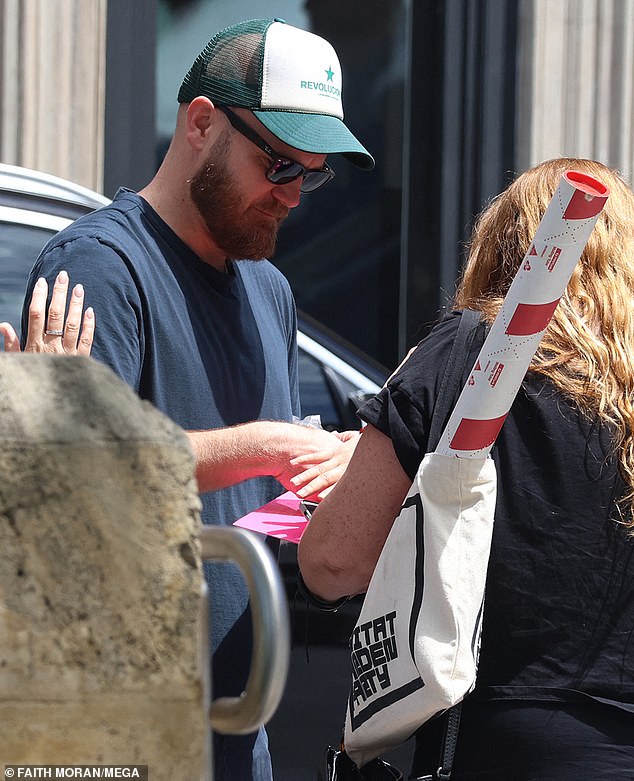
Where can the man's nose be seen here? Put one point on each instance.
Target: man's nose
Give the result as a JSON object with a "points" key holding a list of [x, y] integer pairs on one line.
{"points": [[290, 193]]}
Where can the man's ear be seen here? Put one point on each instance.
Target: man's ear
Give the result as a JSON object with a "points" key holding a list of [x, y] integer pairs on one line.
{"points": [[201, 121]]}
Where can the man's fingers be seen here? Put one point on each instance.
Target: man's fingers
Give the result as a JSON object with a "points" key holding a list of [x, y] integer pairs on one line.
{"points": [[320, 484], [306, 475], [312, 459]]}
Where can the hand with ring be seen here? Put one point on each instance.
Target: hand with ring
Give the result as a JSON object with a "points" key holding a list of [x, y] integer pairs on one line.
{"points": [[50, 334]]}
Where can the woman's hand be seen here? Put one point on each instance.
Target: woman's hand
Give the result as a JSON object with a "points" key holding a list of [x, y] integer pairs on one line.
{"points": [[50, 334]]}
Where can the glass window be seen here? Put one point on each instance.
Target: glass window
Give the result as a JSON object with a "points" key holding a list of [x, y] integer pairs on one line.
{"points": [[19, 247]]}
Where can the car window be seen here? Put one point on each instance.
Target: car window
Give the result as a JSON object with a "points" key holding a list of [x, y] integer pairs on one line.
{"points": [[19, 247], [315, 395], [326, 392]]}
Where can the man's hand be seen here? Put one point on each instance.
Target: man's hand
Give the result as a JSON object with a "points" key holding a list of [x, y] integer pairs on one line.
{"points": [[302, 458], [320, 471]]}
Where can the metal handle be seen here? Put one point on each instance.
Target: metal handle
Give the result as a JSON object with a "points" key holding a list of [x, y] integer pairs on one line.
{"points": [[271, 635]]}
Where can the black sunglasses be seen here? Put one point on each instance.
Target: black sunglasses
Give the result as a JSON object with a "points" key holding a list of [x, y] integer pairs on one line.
{"points": [[282, 170]]}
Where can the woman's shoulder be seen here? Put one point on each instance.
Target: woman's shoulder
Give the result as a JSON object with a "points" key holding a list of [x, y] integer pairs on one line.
{"points": [[426, 361]]}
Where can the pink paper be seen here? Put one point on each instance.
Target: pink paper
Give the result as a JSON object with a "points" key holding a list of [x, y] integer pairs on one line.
{"points": [[280, 518]]}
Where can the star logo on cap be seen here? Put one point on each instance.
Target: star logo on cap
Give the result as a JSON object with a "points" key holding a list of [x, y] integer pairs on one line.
{"points": [[329, 73]]}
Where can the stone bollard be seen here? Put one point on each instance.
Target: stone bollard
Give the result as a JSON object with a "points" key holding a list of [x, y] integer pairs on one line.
{"points": [[100, 576]]}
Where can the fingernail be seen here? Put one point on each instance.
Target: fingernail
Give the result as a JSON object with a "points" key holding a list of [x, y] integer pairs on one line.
{"points": [[62, 276], [78, 290], [40, 282], [89, 313]]}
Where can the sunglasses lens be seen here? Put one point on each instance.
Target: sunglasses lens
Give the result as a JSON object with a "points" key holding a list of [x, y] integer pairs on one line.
{"points": [[285, 171], [315, 179]]}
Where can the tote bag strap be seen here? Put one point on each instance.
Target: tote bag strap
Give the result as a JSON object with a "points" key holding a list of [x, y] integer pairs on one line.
{"points": [[447, 392]]}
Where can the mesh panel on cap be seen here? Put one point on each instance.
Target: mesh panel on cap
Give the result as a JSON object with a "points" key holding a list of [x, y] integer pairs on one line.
{"points": [[229, 69]]}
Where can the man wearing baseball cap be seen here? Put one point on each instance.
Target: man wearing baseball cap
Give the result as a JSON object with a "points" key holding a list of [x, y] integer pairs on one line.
{"points": [[289, 78], [199, 329]]}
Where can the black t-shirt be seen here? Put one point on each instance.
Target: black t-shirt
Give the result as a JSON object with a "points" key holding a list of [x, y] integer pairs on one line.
{"points": [[559, 607]]}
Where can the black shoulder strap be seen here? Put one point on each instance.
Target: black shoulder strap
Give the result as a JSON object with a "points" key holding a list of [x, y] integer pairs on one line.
{"points": [[450, 383], [449, 387]]}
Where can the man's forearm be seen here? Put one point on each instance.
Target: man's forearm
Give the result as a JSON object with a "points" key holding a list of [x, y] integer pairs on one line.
{"points": [[226, 456]]}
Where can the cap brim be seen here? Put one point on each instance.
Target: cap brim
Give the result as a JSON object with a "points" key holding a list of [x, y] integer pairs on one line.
{"points": [[318, 133]]}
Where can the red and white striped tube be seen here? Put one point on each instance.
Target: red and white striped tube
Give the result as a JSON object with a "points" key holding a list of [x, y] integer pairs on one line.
{"points": [[524, 316]]}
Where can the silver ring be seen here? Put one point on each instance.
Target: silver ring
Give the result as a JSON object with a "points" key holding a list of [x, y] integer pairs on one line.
{"points": [[50, 332]]}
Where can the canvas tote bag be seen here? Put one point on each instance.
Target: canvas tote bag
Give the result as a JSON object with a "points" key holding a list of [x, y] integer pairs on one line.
{"points": [[414, 648]]}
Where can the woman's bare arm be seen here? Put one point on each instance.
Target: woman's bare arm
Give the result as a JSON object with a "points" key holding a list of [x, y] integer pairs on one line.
{"points": [[340, 547]]}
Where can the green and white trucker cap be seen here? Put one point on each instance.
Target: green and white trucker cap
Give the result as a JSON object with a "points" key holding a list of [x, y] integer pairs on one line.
{"points": [[289, 78]]}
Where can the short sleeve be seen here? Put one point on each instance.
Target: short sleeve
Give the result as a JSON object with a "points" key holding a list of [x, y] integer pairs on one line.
{"points": [[109, 290], [402, 410]]}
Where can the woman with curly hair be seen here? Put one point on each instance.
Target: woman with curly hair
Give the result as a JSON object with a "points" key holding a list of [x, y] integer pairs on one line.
{"points": [[554, 697]]}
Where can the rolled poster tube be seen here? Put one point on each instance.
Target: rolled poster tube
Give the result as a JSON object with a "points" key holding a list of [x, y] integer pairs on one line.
{"points": [[524, 316]]}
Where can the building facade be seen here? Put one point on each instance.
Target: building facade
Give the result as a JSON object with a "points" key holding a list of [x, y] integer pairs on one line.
{"points": [[453, 98]]}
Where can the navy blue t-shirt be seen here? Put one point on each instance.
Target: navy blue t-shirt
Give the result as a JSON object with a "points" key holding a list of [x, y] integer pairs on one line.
{"points": [[209, 349]]}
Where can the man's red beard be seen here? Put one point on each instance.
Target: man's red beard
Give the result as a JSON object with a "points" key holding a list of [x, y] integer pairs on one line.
{"points": [[241, 233]]}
